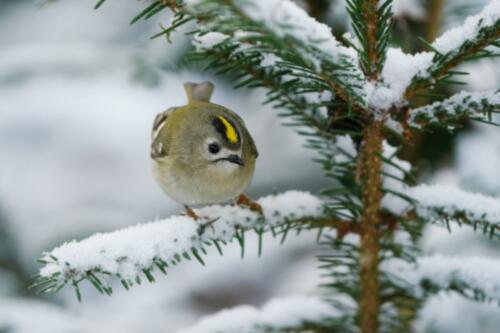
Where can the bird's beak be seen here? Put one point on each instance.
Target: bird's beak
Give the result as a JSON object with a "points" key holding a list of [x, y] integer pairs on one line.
{"points": [[235, 159]]}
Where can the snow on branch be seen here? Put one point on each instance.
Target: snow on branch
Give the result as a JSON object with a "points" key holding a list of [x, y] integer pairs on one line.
{"points": [[397, 74], [472, 105], [286, 19], [458, 45], [277, 39], [474, 277], [472, 30], [128, 253], [445, 203], [282, 18], [278, 315]]}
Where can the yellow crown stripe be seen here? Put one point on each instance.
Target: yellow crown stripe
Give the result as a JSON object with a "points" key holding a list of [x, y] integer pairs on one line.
{"points": [[231, 133]]}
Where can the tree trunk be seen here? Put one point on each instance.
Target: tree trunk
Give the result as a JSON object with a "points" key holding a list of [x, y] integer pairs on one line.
{"points": [[369, 301]]}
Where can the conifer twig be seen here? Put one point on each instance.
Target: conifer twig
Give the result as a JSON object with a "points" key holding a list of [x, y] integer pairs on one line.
{"points": [[370, 15]]}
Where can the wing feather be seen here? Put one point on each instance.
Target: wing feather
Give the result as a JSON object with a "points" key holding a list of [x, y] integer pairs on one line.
{"points": [[159, 148]]}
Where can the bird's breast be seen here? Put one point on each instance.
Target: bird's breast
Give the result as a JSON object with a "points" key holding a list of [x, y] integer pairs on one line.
{"points": [[194, 185]]}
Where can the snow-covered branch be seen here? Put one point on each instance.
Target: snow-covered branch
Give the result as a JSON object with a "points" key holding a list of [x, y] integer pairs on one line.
{"points": [[473, 31], [127, 254], [403, 75], [396, 77], [287, 20], [472, 105], [280, 38], [474, 277], [438, 202], [445, 204], [458, 45], [295, 313], [370, 22]]}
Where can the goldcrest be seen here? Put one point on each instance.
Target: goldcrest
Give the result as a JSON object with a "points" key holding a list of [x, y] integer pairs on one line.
{"points": [[202, 153]]}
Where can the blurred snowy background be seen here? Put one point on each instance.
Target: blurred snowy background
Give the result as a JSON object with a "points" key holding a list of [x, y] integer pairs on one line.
{"points": [[78, 92]]}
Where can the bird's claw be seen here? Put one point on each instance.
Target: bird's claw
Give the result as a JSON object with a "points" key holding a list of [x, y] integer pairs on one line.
{"points": [[246, 201], [191, 213]]}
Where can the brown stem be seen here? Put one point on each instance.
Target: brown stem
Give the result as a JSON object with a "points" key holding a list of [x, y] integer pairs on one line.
{"points": [[343, 227], [369, 301], [435, 15], [370, 16]]}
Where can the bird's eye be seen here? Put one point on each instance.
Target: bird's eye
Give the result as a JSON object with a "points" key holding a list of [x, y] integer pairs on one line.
{"points": [[214, 148]]}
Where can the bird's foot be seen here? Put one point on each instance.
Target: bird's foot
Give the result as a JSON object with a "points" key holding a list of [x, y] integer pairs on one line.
{"points": [[202, 226], [246, 201], [191, 213]]}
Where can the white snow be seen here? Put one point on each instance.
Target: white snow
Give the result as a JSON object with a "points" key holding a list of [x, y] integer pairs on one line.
{"points": [[451, 200], [29, 315], [208, 40], [484, 74], [345, 149], [452, 39], [398, 71], [482, 274], [457, 105], [477, 157], [128, 251], [280, 314], [433, 200], [269, 60], [393, 172], [397, 169], [445, 313], [286, 18], [394, 125], [401, 67]]}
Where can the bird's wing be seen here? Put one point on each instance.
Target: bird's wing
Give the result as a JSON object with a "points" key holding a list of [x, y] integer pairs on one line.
{"points": [[159, 147]]}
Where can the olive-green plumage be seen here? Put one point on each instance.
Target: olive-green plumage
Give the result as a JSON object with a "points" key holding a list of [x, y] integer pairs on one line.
{"points": [[202, 152]]}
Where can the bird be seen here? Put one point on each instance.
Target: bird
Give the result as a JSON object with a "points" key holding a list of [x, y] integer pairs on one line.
{"points": [[202, 153]]}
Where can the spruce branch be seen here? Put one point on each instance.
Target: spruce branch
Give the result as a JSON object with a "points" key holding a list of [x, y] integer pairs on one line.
{"points": [[137, 251], [471, 41], [445, 205], [372, 23], [454, 110], [448, 203]]}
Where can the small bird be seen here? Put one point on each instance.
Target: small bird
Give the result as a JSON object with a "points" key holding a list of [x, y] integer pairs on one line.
{"points": [[202, 153]]}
